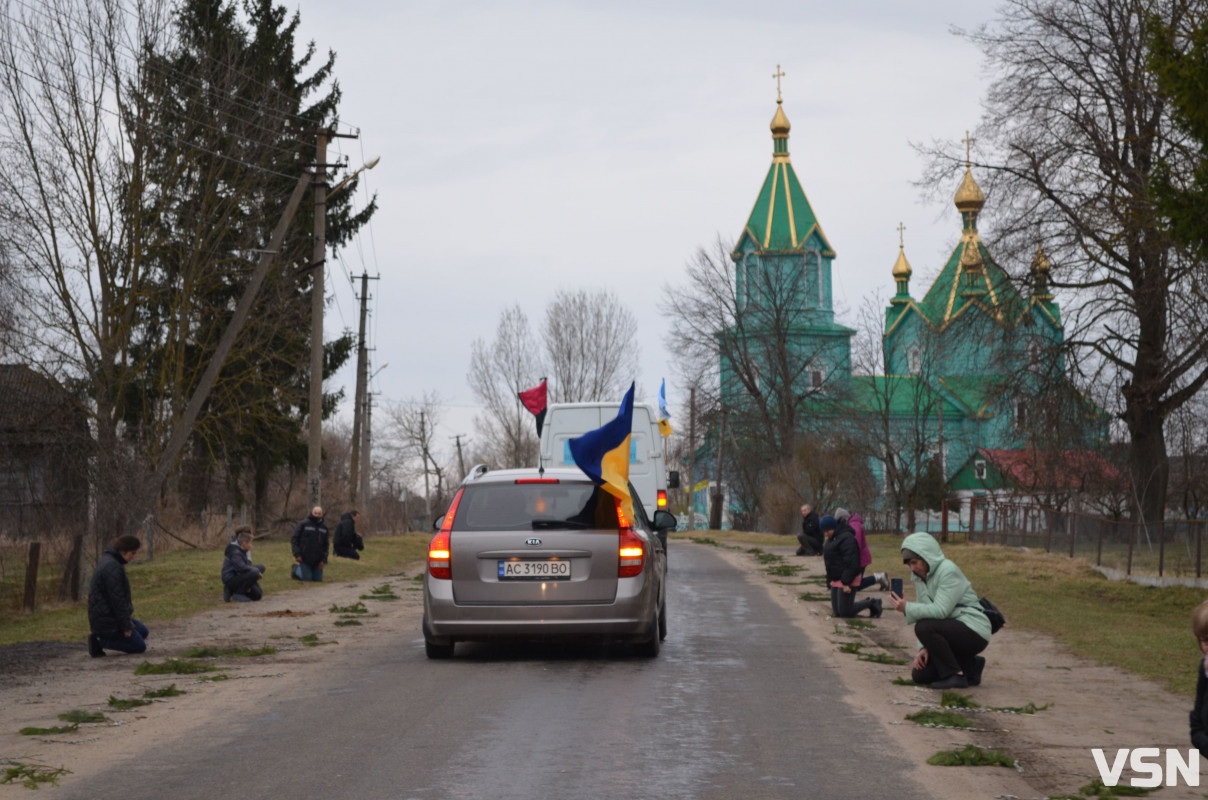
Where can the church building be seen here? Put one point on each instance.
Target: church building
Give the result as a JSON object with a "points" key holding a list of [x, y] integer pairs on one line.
{"points": [[973, 369]]}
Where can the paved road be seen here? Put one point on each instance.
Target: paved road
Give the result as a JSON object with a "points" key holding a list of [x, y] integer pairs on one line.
{"points": [[737, 706]]}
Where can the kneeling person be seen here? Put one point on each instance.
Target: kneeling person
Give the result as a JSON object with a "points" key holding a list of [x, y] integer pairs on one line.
{"points": [[240, 577]]}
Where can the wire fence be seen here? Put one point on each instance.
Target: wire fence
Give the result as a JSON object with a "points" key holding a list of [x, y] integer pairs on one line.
{"points": [[1172, 548]]}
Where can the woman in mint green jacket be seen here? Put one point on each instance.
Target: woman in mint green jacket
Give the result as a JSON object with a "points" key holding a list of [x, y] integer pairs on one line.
{"points": [[947, 617]]}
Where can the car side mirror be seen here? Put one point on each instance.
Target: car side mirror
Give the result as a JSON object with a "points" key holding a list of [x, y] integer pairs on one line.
{"points": [[664, 521], [673, 479]]}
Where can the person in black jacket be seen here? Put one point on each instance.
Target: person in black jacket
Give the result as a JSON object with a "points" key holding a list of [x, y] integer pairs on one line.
{"points": [[810, 536], [309, 545], [841, 555], [110, 607], [1199, 714], [240, 577], [347, 541]]}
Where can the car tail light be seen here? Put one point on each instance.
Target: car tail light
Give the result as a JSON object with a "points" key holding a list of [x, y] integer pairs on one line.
{"points": [[632, 550], [536, 480], [662, 498], [439, 560]]}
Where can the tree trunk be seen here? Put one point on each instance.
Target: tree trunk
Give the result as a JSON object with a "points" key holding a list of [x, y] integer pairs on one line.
{"points": [[1149, 466]]}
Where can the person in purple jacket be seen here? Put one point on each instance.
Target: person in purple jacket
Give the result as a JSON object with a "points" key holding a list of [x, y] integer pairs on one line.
{"points": [[857, 525]]}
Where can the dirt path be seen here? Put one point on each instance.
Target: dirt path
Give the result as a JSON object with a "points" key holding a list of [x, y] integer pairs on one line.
{"points": [[1092, 706]]}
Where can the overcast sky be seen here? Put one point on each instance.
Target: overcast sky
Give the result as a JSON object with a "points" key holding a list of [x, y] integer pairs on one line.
{"points": [[531, 147]]}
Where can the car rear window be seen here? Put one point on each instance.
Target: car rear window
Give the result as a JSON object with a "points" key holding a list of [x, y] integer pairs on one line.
{"points": [[535, 506]]}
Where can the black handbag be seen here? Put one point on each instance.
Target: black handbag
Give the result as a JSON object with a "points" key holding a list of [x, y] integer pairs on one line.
{"points": [[997, 620]]}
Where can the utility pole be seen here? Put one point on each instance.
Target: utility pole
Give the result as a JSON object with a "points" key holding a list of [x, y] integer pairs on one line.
{"points": [[461, 464], [315, 440], [424, 452], [366, 429], [715, 509], [691, 456], [314, 445], [359, 403]]}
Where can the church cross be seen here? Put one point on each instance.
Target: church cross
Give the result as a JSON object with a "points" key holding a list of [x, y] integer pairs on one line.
{"points": [[901, 240], [778, 74], [968, 140]]}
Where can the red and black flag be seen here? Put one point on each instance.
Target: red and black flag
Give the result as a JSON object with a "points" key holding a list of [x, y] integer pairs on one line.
{"points": [[534, 401]]}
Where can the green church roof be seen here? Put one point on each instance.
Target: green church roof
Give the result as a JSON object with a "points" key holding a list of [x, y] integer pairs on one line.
{"points": [[782, 218]]}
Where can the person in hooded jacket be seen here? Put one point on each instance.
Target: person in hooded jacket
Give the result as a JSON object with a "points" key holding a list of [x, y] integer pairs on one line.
{"points": [[347, 542], [240, 577], [949, 624], [841, 556], [310, 544], [857, 525], [110, 607]]}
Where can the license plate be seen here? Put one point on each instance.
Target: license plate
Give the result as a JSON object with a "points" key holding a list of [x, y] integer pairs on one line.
{"points": [[534, 570]]}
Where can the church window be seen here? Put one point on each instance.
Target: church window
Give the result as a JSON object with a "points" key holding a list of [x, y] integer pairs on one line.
{"points": [[979, 469], [818, 265], [817, 373], [807, 273], [914, 358], [1035, 354]]}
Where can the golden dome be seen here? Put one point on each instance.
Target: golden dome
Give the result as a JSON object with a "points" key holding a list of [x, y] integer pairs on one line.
{"points": [[969, 196], [780, 123], [1040, 262], [901, 267]]}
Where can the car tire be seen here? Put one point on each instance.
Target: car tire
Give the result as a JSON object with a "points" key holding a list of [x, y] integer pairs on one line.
{"points": [[438, 651], [663, 621], [650, 647]]}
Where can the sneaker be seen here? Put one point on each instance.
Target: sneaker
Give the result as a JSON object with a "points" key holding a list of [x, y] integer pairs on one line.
{"points": [[226, 594], [874, 610], [956, 681], [974, 675], [94, 646], [882, 580]]}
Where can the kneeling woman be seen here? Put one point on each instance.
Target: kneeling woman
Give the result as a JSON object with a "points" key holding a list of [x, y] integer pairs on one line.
{"points": [[948, 620]]}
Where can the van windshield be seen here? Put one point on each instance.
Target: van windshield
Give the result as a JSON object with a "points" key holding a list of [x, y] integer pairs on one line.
{"points": [[535, 506]]}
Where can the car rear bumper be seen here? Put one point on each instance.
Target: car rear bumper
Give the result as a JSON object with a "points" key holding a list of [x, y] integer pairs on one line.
{"points": [[628, 616]]}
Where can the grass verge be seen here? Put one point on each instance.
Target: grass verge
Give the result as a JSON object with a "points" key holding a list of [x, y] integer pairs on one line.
{"points": [[971, 756], [183, 582], [31, 776]]}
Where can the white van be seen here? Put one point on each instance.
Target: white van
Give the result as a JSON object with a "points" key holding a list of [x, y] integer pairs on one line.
{"points": [[647, 470]]}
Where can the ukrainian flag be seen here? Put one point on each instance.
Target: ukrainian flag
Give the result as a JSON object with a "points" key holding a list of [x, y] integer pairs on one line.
{"points": [[664, 417], [603, 454]]}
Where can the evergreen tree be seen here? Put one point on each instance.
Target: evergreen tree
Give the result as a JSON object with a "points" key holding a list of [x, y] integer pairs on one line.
{"points": [[235, 114]]}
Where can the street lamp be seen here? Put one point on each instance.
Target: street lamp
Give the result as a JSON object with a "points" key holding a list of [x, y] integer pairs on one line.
{"points": [[370, 164]]}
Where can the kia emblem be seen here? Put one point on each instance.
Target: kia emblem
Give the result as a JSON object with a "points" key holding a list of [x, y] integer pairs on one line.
{"points": [[534, 542]]}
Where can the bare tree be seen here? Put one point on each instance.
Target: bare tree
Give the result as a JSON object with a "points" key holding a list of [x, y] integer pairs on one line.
{"points": [[591, 346], [499, 371], [411, 436], [70, 190], [1077, 130]]}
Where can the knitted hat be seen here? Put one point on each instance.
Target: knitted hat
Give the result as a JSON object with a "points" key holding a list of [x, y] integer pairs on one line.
{"points": [[909, 554], [842, 513], [827, 523]]}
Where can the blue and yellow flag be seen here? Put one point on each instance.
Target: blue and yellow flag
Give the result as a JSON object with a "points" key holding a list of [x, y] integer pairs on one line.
{"points": [[603, 454], [664, 417]]}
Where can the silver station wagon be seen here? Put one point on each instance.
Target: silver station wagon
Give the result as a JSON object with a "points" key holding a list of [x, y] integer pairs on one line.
{"points": [[523, 554]]}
